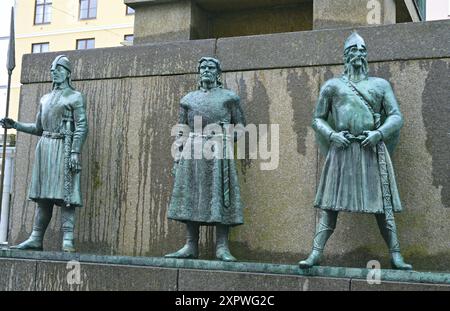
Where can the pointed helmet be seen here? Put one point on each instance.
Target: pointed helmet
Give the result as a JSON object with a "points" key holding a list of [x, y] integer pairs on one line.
{"points": [[63, 61], [354, 40]]}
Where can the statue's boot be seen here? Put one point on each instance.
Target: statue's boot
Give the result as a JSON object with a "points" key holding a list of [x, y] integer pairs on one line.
{"points": [[388, 230], [222, 249], [68, 224], [42, 218], [324, 230], [190, 249]]}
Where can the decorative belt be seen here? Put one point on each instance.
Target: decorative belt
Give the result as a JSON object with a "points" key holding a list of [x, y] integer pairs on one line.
{"points": [[52, 135], [352, 138]]}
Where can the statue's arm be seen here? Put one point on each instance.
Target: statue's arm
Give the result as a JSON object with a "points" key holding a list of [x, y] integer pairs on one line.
{"points": [[182, 127], [81, 124], [31, 128], [323, 108], [183, 114], [394, 118], [237, 117]]}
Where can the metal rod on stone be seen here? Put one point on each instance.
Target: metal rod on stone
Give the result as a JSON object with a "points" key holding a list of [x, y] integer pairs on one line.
{"points": [[11, 64]]}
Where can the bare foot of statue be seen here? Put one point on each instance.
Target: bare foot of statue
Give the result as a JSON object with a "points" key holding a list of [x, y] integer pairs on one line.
{"points": [[312, 260], [223, 253], [398, 262], [188, 251], [32, 244]]}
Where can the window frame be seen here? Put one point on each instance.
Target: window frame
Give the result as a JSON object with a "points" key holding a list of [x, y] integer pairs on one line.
{"points": [[128, 35], [129, 8], [39, 44], [45, 6], [86, 40], [88, 10]]}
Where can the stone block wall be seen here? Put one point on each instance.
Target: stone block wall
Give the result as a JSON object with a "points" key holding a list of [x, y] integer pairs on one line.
{"points": [[133, 95]]}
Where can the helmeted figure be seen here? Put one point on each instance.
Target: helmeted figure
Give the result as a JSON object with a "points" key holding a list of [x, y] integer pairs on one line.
{"points": [[62, 124], [206, 189], [357, 121]]}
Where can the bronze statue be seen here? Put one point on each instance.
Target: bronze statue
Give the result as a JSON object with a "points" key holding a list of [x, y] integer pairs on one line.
{"points": [[357, 120], [206, 190], [62, 124]]}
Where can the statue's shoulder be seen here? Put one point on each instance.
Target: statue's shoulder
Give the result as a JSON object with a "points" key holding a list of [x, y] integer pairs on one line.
{"points": [[189, 97], [46, 97], [69, 92], [379, 82], [331, 85], [229, 95], [75, 98]]}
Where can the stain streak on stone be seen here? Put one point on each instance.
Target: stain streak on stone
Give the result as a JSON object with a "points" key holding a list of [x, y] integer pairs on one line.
{"points": [[436, 117]]}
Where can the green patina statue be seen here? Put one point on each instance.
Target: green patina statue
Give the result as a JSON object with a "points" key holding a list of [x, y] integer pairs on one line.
{"points": [[62, 124], [357, 121], [206, 189]]}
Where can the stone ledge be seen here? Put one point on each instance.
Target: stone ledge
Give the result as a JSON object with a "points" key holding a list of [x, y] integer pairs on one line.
{"points": [[325, 47], [120, 62], [259, 271], [295, 49]]}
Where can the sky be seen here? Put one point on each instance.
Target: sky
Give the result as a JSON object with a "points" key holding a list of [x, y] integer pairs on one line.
{"points": [[5, 14]]}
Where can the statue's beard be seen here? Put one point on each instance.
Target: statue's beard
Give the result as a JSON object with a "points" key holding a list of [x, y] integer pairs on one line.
{"points": [[350, 70], [216, 79]]}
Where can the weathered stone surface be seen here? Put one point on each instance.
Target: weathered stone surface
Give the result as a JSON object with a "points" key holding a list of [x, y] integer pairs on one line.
{"points": [[325, 47], [17, 275], [169, 21], [286, 190], [296, 49], [127, 156], [57, 276], [360, 285], [126, 181], [232, 281], [120, 62], [350, 13], [262, 20], [56, 268]]}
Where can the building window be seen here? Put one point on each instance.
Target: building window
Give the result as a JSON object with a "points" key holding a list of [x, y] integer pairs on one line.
{"points": [[84, 44], [130, 11], [421, 7], [128, 38], [39, 47], [43, 12], [88, 9]]}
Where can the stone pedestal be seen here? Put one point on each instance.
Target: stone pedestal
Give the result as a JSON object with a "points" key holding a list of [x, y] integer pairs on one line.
{"points": [[49, 271], [167, 20], [178, 20], [349, 13]]}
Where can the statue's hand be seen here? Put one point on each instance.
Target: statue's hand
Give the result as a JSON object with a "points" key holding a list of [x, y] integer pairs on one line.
{"points": [[373, 137], [340, 140], [8, 123], [75, 164]]}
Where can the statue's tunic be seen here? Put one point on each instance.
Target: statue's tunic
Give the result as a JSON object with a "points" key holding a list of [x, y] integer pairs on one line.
{"points": [[55, 109], [200, 186], [350, 179]]}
